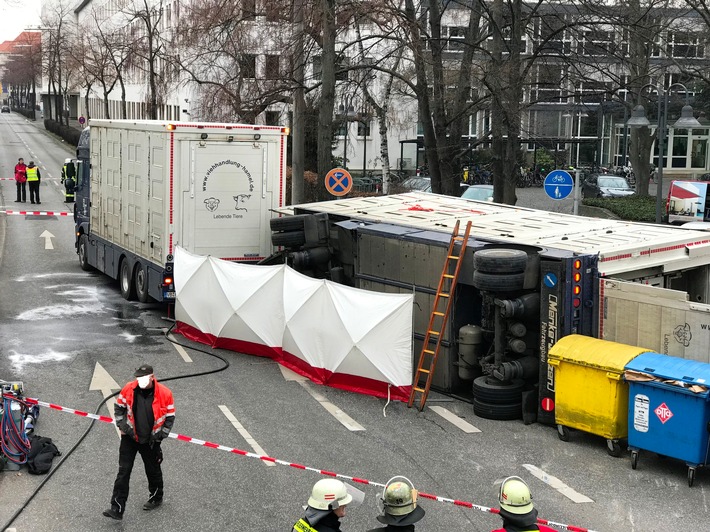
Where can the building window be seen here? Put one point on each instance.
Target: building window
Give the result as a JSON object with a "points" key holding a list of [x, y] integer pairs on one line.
{"points": [[317, 66], [273, 70], [272, 118], [248, 66], [684, 45], [363, 128]]}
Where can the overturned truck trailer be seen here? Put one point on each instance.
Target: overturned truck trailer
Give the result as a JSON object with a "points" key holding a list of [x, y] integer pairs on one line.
{"points": [[527, 279]]}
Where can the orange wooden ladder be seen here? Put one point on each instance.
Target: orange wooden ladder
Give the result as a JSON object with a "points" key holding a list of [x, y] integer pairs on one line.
{"points": [[439, 315]]}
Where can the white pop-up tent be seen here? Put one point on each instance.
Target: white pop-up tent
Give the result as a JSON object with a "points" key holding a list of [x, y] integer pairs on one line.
{"points": [[333, 334]]}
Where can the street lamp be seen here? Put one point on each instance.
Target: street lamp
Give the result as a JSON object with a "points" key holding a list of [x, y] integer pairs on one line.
{"points": [[346, 117], [686, 121]]}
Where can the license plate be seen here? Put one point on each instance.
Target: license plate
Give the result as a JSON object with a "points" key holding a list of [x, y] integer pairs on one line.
{"points": [[169, 295]]}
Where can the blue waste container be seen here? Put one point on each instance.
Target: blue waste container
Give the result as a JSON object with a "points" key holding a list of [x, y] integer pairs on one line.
{"points": [[666, 417]]}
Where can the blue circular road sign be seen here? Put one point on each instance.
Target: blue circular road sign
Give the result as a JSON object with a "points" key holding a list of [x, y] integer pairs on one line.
{"points": [[558, 184]]}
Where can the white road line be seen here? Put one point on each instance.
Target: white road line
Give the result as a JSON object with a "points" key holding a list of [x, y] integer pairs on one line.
{"points": [[455, 420], [182, 351], [247, 437], [348, 422], [557, 484]]}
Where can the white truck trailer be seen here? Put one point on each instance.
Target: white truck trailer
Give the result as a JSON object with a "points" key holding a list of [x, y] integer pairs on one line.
{"points": [[144, 187]]}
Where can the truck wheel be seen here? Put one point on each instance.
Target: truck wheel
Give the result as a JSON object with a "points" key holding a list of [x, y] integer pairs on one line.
{"points": [[490, 282], [82, 252], [493, 391], [290, 239], [125, 279], [288, 223], [497, 412], [141, 277], [500, 261]]}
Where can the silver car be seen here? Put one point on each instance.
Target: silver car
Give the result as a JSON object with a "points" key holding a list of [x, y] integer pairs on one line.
{"points": [[606, 186]]}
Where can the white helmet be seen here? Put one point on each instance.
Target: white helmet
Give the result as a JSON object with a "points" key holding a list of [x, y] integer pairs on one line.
{"points": [[515, 496], [399, 503], [329, 494], [67, 160]]}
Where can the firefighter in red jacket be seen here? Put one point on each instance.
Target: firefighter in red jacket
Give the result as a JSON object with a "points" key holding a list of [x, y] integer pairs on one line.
{"points": [[516, 508], [145, 414]]}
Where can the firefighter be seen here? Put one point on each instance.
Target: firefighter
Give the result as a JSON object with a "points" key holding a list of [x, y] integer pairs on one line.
{"points": [[326, 505], [33, 180], [516, 507], [399, 505], [69, 180]]}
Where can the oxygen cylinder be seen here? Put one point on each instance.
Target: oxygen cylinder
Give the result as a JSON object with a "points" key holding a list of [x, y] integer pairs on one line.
{"points": [[470, 337]]}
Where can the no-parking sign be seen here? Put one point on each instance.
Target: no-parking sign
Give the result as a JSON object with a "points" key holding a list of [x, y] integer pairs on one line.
{"points": [[338, 182]]}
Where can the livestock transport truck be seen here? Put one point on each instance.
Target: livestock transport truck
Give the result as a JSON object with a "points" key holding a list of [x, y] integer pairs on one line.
{"points": [[528, 278], [144, 187]]}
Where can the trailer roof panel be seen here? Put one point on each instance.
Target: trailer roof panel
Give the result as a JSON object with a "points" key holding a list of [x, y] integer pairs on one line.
{"points": [[621, 245]]}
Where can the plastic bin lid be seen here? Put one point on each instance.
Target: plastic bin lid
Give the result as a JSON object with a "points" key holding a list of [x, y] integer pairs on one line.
{"points": [[595, 353], [674, 368]]}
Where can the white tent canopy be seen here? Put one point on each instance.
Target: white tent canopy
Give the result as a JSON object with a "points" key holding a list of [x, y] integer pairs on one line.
{"points": [[336, 335]]}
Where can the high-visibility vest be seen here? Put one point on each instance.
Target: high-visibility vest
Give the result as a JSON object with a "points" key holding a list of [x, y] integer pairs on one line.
{"points": [[32, 174], [303, 526]]}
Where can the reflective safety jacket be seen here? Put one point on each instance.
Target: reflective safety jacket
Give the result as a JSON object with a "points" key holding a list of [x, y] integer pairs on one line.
{"points": [[32, 173], [541, 528], [303, 526], [163, 408]]}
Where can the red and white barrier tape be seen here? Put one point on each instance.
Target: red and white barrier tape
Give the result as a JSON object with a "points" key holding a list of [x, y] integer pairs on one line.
{"points": [[37, 213], [324, 472], [7, 178]]}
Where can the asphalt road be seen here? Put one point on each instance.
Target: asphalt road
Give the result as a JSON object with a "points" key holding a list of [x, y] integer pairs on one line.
{"points": [[58, 323]]}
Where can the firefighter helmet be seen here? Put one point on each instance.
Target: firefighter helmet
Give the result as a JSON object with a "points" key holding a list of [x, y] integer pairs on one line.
{"points": [[329, 494], [515, 496], [399, 503]]}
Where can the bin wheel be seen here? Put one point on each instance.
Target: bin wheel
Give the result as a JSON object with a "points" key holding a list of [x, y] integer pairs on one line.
{"points": [[563, 432], [634, 459], [613, 447], [691, 476]]}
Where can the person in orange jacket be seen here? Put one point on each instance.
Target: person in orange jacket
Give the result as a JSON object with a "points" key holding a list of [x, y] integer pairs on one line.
{"points": [[144, 413], [516, 508]]}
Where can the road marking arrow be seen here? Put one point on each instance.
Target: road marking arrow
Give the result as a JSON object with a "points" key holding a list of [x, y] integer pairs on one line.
{"points": [[348, 422], [47, 239], [103, 382]]}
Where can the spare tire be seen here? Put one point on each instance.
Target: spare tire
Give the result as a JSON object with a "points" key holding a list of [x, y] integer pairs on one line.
{"points": [[289, 239], [497, 412], [492, 390], [500, 260], [288, 223], [490, 282]]}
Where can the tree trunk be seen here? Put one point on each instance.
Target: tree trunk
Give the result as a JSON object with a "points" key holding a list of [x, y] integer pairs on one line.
{"points": [[327, 97], [298, 127]]}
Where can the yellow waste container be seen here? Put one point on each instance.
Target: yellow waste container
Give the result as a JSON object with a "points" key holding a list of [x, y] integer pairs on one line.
{"points": [[590, 393]]}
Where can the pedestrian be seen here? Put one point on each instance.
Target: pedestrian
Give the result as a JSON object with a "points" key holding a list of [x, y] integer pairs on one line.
{"points": [[326, 506], [399, 507], [144, 413], [516, 507], [20, 180], [69, 180], [33, 180]]}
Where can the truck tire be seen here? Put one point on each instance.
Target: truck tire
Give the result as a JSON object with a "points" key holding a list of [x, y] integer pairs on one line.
{"points": [[497, 412], [500, 260], [125, 281], [82, 251], [289, 239], [492, 390], [490, 282], [288, 223], [141, 278]]}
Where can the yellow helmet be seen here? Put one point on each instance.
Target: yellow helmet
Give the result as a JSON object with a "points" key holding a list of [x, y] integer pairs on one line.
{"points": [[515, 496]]}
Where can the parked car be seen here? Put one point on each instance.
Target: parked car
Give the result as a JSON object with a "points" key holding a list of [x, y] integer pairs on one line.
{"points": [[5, 109], [422, 184], [479, 192], [606, 186]]}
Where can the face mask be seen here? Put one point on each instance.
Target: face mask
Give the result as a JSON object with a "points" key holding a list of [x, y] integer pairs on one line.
{"points": [[144, 381]]}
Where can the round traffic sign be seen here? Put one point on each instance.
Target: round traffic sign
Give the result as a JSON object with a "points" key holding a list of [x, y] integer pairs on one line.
{"points": [[82, 120], [558, 184], [338, 182]]}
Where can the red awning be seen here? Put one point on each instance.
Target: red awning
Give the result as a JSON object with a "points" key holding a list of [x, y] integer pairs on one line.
{"points": [[682, 193]]}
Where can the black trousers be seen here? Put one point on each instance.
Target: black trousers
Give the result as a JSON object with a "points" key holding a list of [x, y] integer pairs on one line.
{"points": [[152, 456], [34, 191], [21, 191]]}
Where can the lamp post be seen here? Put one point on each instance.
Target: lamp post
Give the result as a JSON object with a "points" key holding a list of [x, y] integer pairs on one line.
{"points": [[346, 114], [686, 121]]}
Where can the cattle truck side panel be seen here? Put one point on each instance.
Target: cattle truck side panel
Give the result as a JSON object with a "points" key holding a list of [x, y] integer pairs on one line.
{"points": [[210, 188]]}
